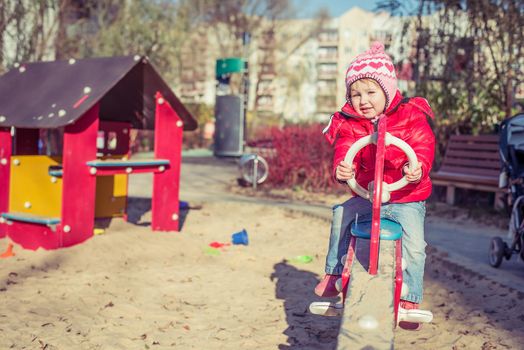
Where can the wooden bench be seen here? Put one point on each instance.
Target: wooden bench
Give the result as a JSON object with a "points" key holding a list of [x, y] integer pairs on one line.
{"points": [[470, 162]]}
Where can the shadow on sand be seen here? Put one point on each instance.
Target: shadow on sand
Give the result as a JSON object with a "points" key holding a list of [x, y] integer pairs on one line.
{"points": [[304, 331], [137, 208]]}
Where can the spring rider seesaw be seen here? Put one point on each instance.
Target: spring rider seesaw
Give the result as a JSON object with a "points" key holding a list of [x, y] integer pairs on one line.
{"points": [[371, 300]]}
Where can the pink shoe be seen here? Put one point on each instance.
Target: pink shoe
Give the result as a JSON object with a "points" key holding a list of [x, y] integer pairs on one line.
{"points": [[326, 287], [408, 305]]}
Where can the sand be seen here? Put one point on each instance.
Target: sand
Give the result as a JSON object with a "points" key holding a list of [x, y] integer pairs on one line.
{"points": [[130, 288]]}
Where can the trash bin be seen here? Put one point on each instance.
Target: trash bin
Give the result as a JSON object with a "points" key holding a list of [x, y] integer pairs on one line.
{"points": [[229, 126]]}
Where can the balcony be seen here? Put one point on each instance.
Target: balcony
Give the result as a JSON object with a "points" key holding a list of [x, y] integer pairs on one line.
{"points": [[267, 39], [191, 59], [192, 91], [188, 98], [327, 58], [200, 76], [265, 103], [192, 77], [327, 42], [267, 71], [327, 85], [327, 92], [326, 103], [327, 75], [328, 38], [187, 88], [265, 89], [267, 75], [267, 44], [265, 108], [327, 71], [382, 36], [267, 59]]}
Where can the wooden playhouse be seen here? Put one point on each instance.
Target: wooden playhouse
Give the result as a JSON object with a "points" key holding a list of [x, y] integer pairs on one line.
{"points": [[51, 200]]}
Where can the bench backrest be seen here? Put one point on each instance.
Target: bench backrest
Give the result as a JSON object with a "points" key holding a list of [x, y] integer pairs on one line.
{"points": [[473, 155]]}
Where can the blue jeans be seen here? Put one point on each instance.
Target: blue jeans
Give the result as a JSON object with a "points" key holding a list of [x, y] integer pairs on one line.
{"points": [[409, 215]]}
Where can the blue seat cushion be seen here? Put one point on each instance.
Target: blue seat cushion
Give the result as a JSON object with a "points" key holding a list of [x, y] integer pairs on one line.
{"points": [[389, 230]]}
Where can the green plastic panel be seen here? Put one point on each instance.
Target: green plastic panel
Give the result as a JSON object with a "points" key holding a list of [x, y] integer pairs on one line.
{"points": [[229, 65]]}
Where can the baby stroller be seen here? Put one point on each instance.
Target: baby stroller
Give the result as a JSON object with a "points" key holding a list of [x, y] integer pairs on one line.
{"points": [[511, 147]]}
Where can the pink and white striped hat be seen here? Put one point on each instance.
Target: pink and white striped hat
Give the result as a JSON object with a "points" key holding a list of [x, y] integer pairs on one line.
{"points": [[374, 64]]}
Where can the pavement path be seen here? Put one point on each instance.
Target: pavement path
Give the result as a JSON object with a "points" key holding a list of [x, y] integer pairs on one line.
{"points": [[207, 179]]}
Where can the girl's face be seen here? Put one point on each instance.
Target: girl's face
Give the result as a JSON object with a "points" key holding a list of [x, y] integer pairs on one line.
{"points": [[367, 98]]}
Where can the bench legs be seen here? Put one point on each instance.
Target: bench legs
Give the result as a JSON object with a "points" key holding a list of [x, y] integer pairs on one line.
{"points": [[450, 195], [499, 200]]}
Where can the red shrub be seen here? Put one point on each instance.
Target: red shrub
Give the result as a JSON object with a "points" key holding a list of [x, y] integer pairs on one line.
{"points": [[303, 158]]}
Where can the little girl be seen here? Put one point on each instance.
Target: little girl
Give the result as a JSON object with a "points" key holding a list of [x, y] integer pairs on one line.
{"points": [[372, 94]]}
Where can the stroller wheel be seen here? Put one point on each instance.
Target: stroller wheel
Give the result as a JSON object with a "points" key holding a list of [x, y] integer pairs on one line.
{"points": [[496, 251]]}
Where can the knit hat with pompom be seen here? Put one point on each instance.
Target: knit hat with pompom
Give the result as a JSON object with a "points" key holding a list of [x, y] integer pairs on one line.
{"points": [[374, 64]]}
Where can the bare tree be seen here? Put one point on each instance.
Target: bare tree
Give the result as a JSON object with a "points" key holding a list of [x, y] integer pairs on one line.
{"points": [[27, 31], [285, 49], [467, 57], [267, 52]]}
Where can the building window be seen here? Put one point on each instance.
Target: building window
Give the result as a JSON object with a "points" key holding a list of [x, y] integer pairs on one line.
{"points": [[327, 68]]}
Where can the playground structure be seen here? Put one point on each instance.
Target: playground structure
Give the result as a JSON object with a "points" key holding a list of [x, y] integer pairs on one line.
{"points": [[51, 200], [369, 322]]}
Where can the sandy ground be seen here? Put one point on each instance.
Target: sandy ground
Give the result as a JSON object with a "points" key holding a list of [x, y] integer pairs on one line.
{"points": [[130, 288]]}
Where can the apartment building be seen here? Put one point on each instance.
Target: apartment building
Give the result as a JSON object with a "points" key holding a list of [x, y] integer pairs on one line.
{"points": [[296, 71], [295, 59], [196, 66], [345, 37]]}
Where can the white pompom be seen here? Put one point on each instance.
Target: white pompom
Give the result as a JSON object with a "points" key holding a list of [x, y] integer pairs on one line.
{"points": [[368, 322]]}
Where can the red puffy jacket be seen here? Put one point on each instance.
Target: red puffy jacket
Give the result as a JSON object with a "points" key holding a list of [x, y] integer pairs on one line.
{"points": [[407, 120]]}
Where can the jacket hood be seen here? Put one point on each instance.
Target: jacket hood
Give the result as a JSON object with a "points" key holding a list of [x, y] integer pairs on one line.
{"points": [[423, 105]]}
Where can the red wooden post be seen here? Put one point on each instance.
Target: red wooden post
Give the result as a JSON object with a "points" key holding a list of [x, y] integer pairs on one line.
{"points": [[168, 145], [78, 185], [122, 132], [377, 197], [26, 141], [5, 167], [398, 277], [346, 272]]}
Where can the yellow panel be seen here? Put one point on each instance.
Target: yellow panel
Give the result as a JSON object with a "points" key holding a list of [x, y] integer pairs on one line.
{"points": [[31, 188], [120, 185], [111, 194]]}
